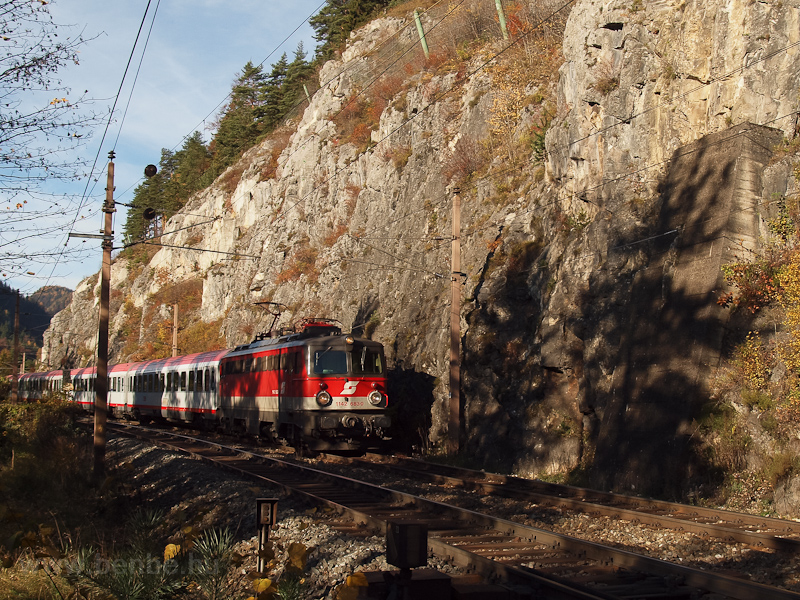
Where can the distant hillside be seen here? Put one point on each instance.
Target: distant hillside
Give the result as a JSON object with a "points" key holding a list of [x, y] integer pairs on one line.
{"points": [[35, 313], [52, 298]]}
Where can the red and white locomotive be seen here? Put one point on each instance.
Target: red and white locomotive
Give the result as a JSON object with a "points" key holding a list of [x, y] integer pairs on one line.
{"points": [[313, 385]]}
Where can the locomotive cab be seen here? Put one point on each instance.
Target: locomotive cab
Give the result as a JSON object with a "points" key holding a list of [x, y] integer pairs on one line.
{"points": [[346, 376]]}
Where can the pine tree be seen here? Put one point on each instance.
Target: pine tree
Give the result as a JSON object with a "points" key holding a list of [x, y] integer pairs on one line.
{"points": [[274, 93], [297, 73], [151, 193], [241, 123], [334, 22], [192, 161]]}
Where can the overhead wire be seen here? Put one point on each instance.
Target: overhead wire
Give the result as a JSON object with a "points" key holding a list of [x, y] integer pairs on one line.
{"points": [[84, 196], [434, 99], [494, 174], [504, 50], [225, 99]]}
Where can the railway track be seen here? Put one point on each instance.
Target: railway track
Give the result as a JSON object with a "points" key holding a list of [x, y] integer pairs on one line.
{"points": [[731, 527], [531, 561]]}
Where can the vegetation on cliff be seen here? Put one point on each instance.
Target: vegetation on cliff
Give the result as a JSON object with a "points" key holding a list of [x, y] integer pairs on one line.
{"points": [[757, 392]]}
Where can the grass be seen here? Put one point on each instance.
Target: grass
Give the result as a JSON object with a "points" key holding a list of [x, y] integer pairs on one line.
{"points": [[63, 535]]}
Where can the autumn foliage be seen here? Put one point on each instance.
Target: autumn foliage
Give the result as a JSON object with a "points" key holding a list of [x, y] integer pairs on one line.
{"points": [[771, 279]]}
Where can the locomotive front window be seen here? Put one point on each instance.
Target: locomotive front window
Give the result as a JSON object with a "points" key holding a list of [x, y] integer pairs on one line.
{"points": [[367, 362], [330, 362]]}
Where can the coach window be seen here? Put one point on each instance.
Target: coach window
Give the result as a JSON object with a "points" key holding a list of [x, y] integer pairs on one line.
{"points": [[160, 382], [191, 381], [212, 385], [183, 381]]}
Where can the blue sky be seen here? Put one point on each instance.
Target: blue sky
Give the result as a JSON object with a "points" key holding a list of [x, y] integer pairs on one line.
{"points": [[194, 53]]}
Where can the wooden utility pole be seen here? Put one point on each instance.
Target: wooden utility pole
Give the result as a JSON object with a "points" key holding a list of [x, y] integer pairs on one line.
{"points": [[454, 424], [174, 330], [101, 383], [15, 357]]}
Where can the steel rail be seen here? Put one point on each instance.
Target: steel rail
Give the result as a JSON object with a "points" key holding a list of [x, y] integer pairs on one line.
{"points": [[357, 500], [727, 525]]}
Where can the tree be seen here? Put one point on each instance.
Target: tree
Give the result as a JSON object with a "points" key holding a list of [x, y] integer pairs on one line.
{"points": [[191, 163], [180, 175], [274, 92], [241, 122], [334, 22], [151, 193], [297, 72], [40, 125]]}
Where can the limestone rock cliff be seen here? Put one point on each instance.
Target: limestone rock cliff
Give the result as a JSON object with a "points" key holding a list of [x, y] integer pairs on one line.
{"points": [[566, 259]]}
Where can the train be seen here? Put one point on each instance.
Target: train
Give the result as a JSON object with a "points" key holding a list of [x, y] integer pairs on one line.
{"points": [[310, 385]]}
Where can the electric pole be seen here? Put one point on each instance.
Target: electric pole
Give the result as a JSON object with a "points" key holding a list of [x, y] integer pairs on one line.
{"points": [[101, 383], [454, 424], [15, 357], [174, 330]]}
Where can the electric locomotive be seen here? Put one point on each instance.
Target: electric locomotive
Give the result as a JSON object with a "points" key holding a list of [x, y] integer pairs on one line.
{"points": [[313, 385]]}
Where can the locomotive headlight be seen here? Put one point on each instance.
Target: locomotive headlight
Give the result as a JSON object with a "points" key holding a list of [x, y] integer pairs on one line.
{"points": [[324, 398], [375, 397]]}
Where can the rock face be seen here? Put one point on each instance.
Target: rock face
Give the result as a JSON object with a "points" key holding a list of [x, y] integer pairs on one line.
{"points": [[589, 320]]}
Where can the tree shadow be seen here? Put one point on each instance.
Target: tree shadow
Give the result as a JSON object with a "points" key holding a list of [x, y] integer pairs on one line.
{"points": [[608, 374]]}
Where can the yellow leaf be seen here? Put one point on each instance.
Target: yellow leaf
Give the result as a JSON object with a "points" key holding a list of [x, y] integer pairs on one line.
{"points": [[262, 585], [187, 529], [357, 580], [347, 593], [298, 555], [171, 551], [46, 531]]}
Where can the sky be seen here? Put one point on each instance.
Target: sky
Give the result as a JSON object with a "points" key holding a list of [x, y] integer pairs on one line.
{"points": [[195, 51]]}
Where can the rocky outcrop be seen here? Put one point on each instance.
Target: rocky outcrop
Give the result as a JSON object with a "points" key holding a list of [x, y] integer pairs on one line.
{"points": [[572, 357]]}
